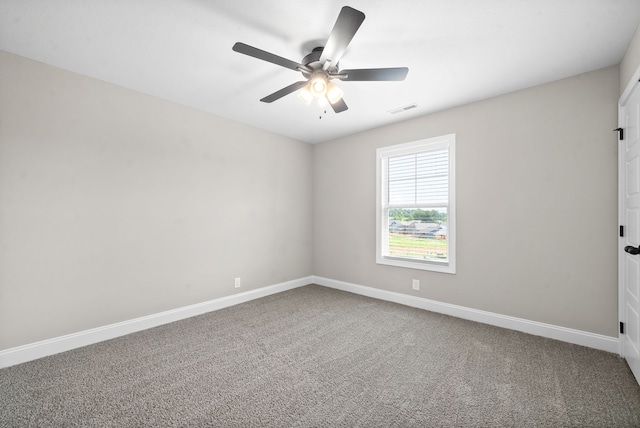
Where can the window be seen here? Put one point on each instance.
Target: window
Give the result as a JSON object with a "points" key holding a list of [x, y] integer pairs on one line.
{"points": [[416, 205]]}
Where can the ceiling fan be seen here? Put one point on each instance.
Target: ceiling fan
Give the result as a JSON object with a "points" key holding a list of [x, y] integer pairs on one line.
{"points": [[321, 65]]}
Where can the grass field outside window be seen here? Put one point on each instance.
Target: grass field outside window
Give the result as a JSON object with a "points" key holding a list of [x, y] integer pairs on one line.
{"points": [[401, 245]]}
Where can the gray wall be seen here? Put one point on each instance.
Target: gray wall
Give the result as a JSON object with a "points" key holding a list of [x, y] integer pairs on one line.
{"points": [[115, 205], [630, 61], [536, 205]]}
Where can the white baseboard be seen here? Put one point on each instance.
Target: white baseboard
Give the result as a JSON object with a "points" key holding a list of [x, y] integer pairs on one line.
{"points": [[32, 351], [578, 337]]}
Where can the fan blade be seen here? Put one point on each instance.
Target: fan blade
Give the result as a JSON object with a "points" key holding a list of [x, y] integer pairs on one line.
{"points": [[267, 56], [339, 106], [343, 31], [284, 91], [375, 74]]}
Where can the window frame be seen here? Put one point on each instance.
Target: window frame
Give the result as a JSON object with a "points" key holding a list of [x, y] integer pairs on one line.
{"points": [[382, 221]]}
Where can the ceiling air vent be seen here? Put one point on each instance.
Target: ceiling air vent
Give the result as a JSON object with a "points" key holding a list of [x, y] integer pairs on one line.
{"points": [[402, 109]]}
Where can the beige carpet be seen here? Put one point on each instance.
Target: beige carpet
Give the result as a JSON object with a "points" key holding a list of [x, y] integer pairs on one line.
{"points": [[317, 357]]}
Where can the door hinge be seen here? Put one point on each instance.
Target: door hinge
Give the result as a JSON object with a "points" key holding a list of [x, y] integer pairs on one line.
{"points": [[620, 133], [621, 327], [621, 230]]}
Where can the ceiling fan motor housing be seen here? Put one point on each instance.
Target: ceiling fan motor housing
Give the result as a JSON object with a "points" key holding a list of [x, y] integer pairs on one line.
{"points": [[312, 61]]}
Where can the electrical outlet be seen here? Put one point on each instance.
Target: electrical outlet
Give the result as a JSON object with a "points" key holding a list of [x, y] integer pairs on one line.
{"points": [[236, 284], [416, 284]]}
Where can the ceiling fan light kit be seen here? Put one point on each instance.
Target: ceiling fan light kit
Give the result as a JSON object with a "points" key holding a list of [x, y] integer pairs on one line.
{"points": [[305, 95], [318, 86], [334, 93], [320, 66]]}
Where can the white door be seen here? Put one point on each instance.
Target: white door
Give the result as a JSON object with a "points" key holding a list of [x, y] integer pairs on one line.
{"points": [[629, 252]]}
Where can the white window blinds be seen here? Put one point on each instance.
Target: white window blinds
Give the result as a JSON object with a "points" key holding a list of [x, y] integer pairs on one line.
{"points": [[420, 179]]}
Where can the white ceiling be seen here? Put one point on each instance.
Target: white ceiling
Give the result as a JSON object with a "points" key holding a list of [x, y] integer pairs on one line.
{"points": [[457, 51]]}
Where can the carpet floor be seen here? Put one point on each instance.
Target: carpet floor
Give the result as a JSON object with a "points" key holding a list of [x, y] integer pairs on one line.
{"points": [[318, 357]]}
